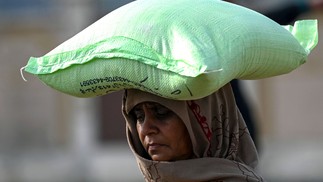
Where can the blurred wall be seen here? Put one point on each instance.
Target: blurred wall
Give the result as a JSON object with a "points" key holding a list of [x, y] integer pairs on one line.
{"points": [[31, 114], [28, 111]]}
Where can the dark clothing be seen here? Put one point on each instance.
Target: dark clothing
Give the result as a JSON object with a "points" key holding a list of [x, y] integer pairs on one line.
{"points": [[287, 13]]}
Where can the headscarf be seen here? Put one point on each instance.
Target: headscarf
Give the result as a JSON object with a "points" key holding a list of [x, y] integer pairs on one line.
{"points": [[223, 148]]}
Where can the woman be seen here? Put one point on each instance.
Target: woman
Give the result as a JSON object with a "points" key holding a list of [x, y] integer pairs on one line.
{"points": [[219, 146]]}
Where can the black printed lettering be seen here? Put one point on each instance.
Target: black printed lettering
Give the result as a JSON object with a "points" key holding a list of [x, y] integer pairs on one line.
{"points": [[111, 84], [142, 81], [176, 92], [189, 90]]}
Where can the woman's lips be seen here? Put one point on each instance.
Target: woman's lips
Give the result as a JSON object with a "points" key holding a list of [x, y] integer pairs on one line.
{"points": [[154, 146]]}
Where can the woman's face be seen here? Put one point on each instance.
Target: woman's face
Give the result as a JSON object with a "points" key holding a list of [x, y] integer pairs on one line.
{"points": [[162, 133]]}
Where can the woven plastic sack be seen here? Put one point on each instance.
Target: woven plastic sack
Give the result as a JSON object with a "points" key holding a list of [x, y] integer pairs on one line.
{"points": [[179, 49]]}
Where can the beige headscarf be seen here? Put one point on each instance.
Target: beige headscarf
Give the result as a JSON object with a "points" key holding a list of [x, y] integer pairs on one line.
{"points": [[221, 142]]}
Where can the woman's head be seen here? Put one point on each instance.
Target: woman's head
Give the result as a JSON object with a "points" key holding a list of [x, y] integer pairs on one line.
{"points": [[218, 146], [162, 132], [137, 103], [213, 123]]}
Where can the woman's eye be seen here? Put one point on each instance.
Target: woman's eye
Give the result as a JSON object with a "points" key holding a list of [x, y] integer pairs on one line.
{"points": [[162, 112], [153, 112], [140, 117]]}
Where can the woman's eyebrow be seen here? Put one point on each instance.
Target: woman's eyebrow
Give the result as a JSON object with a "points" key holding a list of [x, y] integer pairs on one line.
{"points": [[137, 108]]}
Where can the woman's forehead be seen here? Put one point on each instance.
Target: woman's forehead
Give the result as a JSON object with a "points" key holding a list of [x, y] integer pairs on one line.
{"points": [[149, 105]]}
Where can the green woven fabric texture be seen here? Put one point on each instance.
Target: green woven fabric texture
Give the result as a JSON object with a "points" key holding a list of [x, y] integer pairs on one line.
{"points": [[183, 49]]}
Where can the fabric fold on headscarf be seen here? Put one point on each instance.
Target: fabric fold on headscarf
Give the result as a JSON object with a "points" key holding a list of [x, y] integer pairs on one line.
{"points": [[222, 145]]}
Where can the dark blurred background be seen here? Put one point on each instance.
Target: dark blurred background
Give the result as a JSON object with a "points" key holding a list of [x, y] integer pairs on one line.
{"points": [[47, 136]]}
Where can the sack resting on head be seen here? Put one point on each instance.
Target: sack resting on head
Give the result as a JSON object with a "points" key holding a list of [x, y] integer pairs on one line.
{"points": [[183, 49]]}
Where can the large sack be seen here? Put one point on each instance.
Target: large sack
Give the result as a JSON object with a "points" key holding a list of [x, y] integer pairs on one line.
{"points": [[179, 49]]}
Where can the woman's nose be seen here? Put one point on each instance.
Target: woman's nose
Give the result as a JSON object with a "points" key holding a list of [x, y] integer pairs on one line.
{"points": [[149, 126]]}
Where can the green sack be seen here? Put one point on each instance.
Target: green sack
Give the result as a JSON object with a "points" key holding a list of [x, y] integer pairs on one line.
{"points": [[183, 49]]}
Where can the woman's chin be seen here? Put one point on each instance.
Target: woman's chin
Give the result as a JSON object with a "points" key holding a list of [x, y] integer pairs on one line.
{"points": [[159, 158]]}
